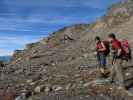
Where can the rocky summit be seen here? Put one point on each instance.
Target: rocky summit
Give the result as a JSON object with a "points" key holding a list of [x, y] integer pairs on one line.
{"points": [[63, 66]]}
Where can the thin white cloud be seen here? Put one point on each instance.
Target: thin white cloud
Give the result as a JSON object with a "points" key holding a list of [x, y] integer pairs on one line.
{"points": [[52, 3], [15, 42], [5, 52], [18, 40], [19, 24]]}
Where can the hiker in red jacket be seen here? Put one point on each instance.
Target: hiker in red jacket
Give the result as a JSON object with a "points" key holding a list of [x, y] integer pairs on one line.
{"points": [[118, 52], [101, 53]]}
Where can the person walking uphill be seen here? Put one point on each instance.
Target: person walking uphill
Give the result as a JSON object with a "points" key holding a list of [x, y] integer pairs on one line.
{"points": [[117, 52], [101, 54]]}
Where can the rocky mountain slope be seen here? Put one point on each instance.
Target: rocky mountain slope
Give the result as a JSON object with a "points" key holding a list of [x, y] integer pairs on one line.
{"points": [[64, 62]]}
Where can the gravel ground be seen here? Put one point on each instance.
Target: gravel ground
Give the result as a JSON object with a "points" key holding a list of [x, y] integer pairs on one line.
{"points": [[98, 97]]}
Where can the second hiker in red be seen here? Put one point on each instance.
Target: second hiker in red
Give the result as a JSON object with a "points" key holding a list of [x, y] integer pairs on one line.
{"points": [[118, 52]]}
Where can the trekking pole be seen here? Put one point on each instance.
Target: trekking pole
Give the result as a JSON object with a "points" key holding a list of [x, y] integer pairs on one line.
{"points": [[113, 61]]}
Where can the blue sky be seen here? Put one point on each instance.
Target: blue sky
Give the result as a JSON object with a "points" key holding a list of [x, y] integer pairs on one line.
{"points": [[26, 21]]}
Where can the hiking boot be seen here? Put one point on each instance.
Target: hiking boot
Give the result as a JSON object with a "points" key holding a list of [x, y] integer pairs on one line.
{"points": [[102, 70], [129, 93], [121, 88]]}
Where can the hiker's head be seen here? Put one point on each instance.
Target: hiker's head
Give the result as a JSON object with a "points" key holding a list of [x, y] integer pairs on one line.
{"points": [[97, 39], [111, 37]]}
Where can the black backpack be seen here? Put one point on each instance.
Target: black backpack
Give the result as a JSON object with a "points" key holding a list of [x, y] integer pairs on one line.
{"points": [[107, 45]]}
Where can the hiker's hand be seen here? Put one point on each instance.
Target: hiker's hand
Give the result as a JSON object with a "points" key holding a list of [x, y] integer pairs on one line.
{"points": [[112, 51], [95, 53], [118, 54]]}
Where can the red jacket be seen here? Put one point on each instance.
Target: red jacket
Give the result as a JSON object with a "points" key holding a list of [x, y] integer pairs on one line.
{"points": [[116, 45], [100, 46]]}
